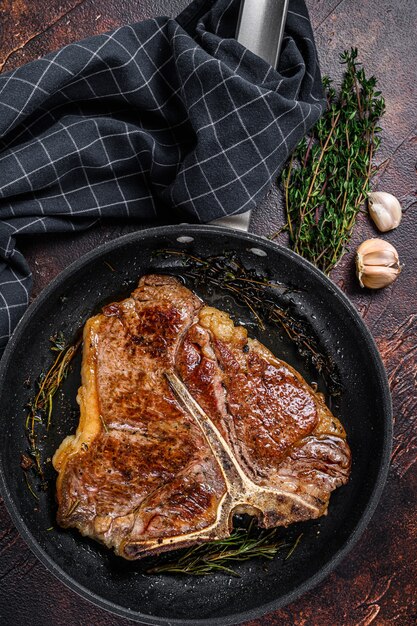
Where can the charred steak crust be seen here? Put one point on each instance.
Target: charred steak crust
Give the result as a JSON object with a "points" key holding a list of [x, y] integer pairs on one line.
{"points": [[184, 420]]}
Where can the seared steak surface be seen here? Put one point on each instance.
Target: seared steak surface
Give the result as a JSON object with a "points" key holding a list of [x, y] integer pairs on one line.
{"points": [[184, 420]]}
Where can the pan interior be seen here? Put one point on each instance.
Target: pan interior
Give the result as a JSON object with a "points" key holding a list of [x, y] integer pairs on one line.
{"points": [[364, 409]]}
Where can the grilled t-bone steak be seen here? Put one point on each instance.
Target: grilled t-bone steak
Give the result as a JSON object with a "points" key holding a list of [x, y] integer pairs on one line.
{"points": [[186, 421]]}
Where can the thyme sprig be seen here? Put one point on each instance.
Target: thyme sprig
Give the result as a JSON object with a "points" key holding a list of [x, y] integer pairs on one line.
{"points": [[41, 406], [328, 175], [258, 294], [216, 556]]}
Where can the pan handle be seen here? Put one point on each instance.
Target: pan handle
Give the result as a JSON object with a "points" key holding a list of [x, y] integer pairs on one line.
{"points": [[260, 29]]}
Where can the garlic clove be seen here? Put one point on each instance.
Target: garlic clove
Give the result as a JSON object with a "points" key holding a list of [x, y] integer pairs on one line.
{"points": [[376, 277], [376, 245], [377, 264], [385, 210], [381, 257]]}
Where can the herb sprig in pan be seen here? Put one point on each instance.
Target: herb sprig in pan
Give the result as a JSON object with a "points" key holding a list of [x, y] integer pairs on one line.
{"points": [[216, 556], [40, 407], [327, 178]]}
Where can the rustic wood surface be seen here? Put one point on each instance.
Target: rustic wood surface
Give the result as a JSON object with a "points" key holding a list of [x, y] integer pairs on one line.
{"points": [[376, 583]]}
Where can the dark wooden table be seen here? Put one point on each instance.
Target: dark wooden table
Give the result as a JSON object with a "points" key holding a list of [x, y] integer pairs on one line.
{"points": [[376, 583]]}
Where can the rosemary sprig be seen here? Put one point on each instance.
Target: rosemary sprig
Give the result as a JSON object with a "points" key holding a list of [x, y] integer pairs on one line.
{"points": [[29, 486], [216, 556], [40, 408], [328, 176], [258, 294]]}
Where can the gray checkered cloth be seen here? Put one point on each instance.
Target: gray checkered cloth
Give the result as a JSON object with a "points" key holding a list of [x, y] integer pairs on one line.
{"points": [[166, 119]]}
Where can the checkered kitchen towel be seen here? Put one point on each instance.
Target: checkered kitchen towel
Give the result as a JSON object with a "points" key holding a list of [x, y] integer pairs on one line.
{"points": [[169, 119]]}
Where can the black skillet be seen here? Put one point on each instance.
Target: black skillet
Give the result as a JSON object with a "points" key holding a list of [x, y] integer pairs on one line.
{"points": [[109, 273]]}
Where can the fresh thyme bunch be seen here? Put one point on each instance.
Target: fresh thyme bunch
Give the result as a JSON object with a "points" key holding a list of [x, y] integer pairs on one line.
{"points": [[328, 176]]}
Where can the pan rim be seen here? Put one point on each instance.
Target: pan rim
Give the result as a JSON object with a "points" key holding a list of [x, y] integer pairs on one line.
{"points": [[373, 500]]}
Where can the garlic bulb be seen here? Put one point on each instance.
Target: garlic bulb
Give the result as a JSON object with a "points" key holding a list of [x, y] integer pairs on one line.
{"points": [[385, 210], [377, 263]]}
